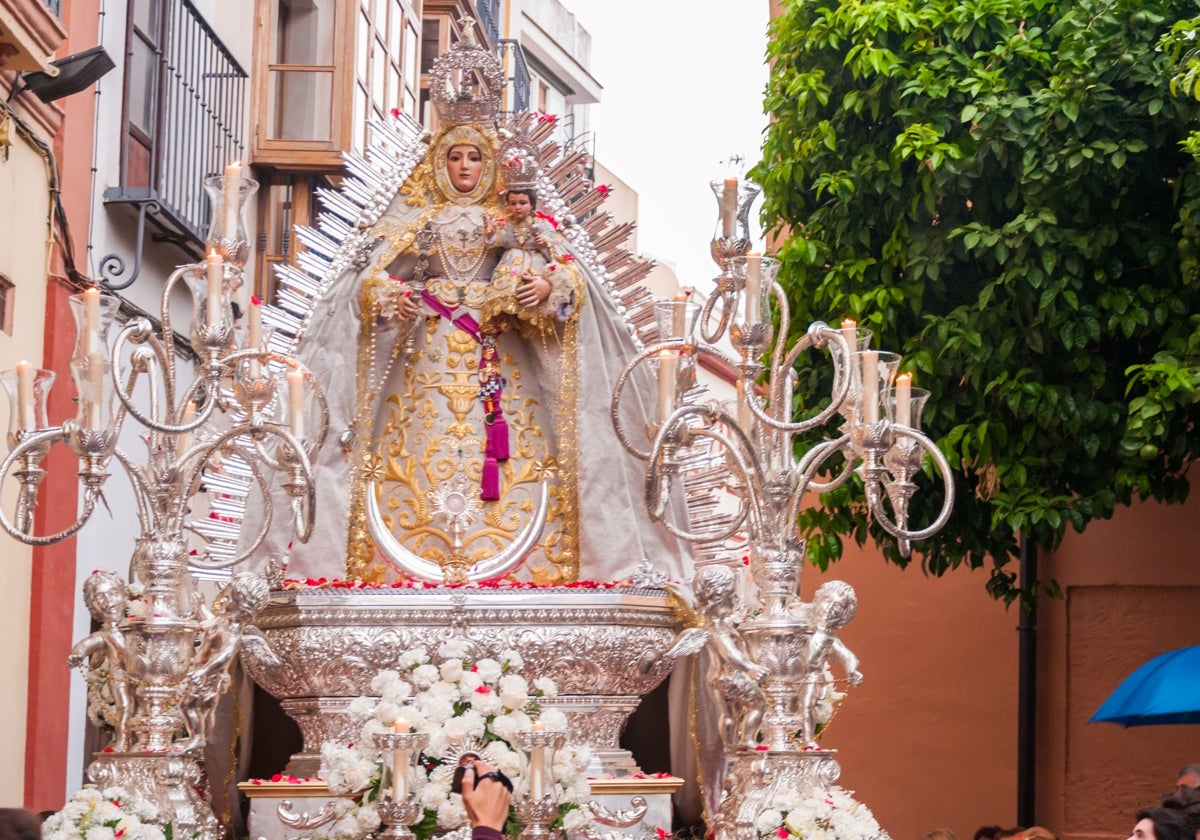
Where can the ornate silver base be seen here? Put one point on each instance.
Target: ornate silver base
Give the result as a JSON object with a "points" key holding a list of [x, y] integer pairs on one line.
{"points": [[752, 778], [173, 783], [592, 643], [398, 816]]}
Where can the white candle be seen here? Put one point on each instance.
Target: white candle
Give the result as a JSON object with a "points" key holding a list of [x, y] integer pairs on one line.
{"points": [[295, 379], [850, 333], [679, 315], [753, 286], [666, 384], [231, 199], [25, 402], [904, 399], [729, 207], [254, 335], [216, 282], [870, 383], [96, 379], [399, 764], [537, 765], [91, 320], [189, 414]]}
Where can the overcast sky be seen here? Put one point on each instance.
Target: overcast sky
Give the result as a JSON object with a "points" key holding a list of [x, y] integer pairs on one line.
{"points": [[683, 90]]}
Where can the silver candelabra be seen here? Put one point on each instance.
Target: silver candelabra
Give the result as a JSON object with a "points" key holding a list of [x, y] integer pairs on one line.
{"points": [[159, 662], [769, 672]]}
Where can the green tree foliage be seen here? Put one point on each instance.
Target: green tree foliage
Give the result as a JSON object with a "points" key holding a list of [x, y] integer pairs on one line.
{"points": [[1004, 191]]}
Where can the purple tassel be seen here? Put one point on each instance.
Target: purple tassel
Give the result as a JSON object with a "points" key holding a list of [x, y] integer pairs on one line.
{"points": [[489, 482], [497, 438]]}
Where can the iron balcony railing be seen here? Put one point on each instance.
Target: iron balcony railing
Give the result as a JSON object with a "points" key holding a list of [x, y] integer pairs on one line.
{"points": [[513, 58], [200, 128]]}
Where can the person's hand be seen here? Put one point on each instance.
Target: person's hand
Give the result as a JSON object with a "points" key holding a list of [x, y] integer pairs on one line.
{"points": [[533, 291], [407, 309], [855, 677], [486, 800]]}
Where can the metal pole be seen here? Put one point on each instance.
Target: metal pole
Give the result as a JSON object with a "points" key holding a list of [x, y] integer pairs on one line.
{"points": [[1027, 689]]}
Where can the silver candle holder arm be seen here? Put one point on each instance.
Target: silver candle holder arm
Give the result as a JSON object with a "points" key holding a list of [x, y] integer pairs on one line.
{"points": [[161, 652], [768, 671]]}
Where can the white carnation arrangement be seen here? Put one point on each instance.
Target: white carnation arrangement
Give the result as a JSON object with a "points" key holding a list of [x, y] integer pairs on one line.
{"points": [[828, 814], [462, 705], [93, 814]]}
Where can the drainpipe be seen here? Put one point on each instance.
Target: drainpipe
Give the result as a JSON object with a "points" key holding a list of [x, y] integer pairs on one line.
{"points": [[1027, 690]]}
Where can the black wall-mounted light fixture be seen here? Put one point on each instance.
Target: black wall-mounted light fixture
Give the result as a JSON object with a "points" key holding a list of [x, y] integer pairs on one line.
{"points": [[75, 73]]}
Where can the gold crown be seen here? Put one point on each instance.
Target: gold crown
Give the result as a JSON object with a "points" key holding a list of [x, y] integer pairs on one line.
{"points": [[466, 82], [518, 164]]}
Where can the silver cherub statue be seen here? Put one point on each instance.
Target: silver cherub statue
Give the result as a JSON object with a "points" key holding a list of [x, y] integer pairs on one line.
{"points": [[105, 650], [734, 677], [230, 629], [833, 605]]}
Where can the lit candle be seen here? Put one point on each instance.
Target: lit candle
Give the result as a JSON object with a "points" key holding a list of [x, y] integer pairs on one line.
{"points": [[904, 399], [96, 380], [231, 199], [537, 765], [216, 282], [295, 379], [189, 414], [254, 335], [679, 315], [850, 333], [753, 286], [729, 207], [91, 320], [25, 395], [400, 764], [870, 383], [666, 384]]}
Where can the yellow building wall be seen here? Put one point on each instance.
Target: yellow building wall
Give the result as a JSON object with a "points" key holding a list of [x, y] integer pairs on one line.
{"points": [[24, 211]]}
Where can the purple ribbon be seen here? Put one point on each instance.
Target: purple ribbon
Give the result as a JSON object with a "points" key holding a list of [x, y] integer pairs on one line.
{"points": [[463, 320]]}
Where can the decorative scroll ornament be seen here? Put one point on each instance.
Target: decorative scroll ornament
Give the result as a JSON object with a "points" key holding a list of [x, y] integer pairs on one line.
{"points": [[466, 83]]}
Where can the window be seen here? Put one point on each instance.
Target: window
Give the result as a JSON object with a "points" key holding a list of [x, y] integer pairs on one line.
{"points": [[285, 200], [183, 117], [385, 63], [329, 68], [143, 73], [301, 72]]}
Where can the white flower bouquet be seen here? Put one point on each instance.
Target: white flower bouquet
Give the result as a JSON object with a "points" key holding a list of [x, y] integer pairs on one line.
{"points": [[93, 814], [463, 706], [830, 814]]}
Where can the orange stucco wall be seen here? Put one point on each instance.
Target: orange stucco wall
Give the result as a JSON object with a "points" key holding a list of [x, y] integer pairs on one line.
{"points": [[1132, 592], [929, 738]]}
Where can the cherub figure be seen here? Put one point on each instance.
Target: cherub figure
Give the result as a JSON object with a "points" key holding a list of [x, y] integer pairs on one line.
{"points": [[735, 678], [234, 608], [832, 608], [104, 594]]}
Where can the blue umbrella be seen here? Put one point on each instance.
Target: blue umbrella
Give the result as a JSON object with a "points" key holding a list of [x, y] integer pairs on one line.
{"points": [[1164, 690]]}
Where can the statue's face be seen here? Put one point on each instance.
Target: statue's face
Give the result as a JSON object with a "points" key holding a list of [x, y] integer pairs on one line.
{"points": [[519, 206], [464, 164]]}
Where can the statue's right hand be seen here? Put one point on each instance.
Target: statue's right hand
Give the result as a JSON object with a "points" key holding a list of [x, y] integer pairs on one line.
{"points": [[407, 309], [74, 660], [758, 673]]}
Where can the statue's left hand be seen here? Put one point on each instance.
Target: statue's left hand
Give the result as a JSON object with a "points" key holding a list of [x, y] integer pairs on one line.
{"points": [[533, 291]]}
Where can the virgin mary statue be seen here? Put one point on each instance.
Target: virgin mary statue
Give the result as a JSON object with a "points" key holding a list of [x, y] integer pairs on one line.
{"points": [[468, 350]]}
